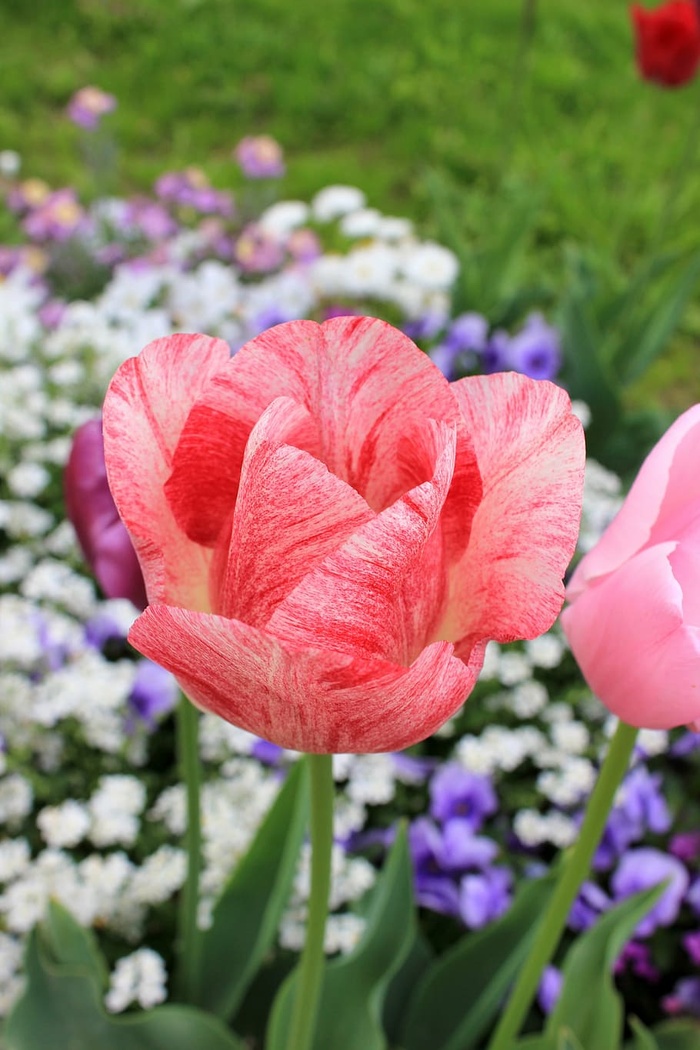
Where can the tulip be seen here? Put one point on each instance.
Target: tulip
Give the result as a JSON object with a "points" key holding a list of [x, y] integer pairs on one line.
{"points": [[667, 42], [102, 537], [330, 532], [633, 621]]}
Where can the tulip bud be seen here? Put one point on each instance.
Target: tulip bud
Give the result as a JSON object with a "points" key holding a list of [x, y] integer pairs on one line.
{"points": [[103, 538]]}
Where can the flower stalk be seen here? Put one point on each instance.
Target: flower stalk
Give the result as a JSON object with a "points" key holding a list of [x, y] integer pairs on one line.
{"points": [[188, 943], [575, 870], [310, 977]]}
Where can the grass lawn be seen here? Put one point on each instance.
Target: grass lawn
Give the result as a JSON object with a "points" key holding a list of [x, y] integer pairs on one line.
{"points": [[378, 93]]}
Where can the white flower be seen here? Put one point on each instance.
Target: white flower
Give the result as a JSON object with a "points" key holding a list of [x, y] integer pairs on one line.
{"points": [[546, 651], [513, 667], [431, 266], [528, 699], [365, 222], [137, 978], [572, 737], [114, 810], [160, 876], [371, 780], [27, 480], [333, 201], [281, 218], [16, 798], [10, 163], [63, 825], [14, 859]]}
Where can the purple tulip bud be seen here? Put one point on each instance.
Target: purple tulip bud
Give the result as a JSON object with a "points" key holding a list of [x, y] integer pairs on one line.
{"points": [[103, 538]]}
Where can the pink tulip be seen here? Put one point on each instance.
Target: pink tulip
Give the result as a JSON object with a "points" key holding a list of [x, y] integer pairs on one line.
{"points": [[634, 618], [330, 532], [103, 539]]}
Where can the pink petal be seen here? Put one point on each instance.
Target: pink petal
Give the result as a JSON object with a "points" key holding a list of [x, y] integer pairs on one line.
{"points": [[290, 514], [144, 413], [667, 485], [307, 700], [369, 390], [629, 639], [531, 454], [365, 598]]}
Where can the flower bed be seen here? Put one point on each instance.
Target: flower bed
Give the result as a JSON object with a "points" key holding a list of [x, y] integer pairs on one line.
{"points": [[89, 794]]}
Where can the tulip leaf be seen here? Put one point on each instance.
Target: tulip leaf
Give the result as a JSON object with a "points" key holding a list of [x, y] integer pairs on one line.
{"points": [[597, 1017], [62, 1002], [460, 995], [645, 343], [354, 987], [643, 1037], [677, 1035], [246, 916]]}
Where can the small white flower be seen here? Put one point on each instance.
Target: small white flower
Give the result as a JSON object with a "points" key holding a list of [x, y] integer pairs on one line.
{"points": [[27, 480], [365, 222], [546, 651], [10, 163], [333, 201], [281, 218], [431, 266], [16, 799], [63, 825], [137, 978]]}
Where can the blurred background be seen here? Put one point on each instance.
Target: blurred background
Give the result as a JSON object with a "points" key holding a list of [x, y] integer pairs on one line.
{"points": [[442, 112]]}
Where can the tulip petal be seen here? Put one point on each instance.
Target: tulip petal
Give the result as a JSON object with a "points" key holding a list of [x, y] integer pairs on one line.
{"points": [[369, 390], [305, 699], [629, 639], [666, 488], [531, 454], [366, 597], [290, 514], [144, 412]]}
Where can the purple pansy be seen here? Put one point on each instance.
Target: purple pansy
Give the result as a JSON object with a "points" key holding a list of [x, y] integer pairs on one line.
{"points": [[550, 988], [636, 958], [535, 350], [590, 904], [494, 357], [484, 896], [153, 694], [455, 792], [640, 869]]}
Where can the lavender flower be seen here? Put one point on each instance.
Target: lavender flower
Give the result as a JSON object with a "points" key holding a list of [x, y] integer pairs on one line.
{"points": [[484, 897], [685, 998], [154, 693], [260, 157], [495, 355], [535, 350], [88, 105], [57, 218], [455, 792], [591, 902], [640, 869], [549, 989], [636, 958]]}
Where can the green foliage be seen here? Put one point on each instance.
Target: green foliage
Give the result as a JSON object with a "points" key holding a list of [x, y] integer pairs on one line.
{"points": [[354, 987], [248, 912], [62, 1003], [594, 1016], [459, 996]]}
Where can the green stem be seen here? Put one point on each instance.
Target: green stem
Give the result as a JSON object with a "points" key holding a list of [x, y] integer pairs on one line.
{"points": [[189, 938], [575, 870], [309, 982]]}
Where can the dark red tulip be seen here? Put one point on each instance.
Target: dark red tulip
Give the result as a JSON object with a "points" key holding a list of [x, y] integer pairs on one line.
{"points": [[668, 42], [103, 539]]}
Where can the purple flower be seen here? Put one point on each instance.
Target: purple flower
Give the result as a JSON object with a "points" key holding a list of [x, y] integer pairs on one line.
{"points": [[550, 989], [260, 157], [467, 332], [154, 692], [149, 217], [685, 846], [267, 753], [57, 218], [257, 252], [304, 245], [685, 998], [484, 897], [640, 869], [89, 105], [102, 536], [455, 792], [494, 357], [691, 943], [686, 744], [412, 770], [460, 849], [438, 893], [693, 896], [642, 808], [536, 350], [636, 957], [425, 327], [591, 902]]}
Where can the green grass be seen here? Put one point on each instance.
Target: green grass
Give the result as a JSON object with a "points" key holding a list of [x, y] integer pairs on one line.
{"points": [[372, 92]]}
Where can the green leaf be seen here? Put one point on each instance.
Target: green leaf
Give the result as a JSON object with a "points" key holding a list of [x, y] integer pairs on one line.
{"points": [[247, 915], [678, 1035], [62, 1003], [403, 985], [596, 1018], [587, 377], [645, 343], [354, 987], [462, 992], [643, 1038]]}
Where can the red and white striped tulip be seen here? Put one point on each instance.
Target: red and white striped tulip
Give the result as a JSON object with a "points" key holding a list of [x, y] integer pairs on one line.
{"points": [[330, 532]]}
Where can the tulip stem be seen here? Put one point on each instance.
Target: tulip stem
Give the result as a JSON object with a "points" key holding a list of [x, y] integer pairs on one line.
{"points": [[188, 944], [310, 973], [575, 869]]}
